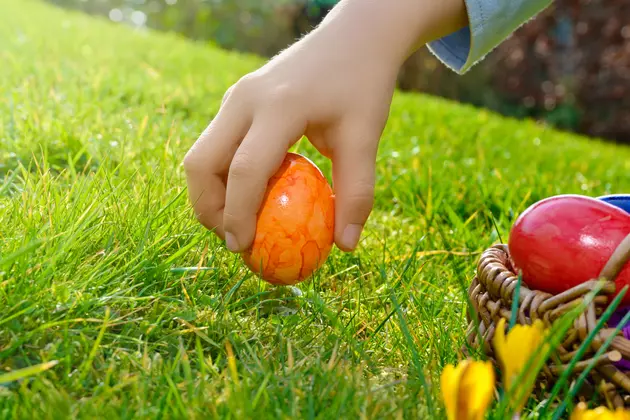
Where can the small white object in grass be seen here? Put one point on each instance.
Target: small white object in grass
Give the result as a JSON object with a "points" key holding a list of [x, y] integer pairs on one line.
{"points": [[170, 2]]}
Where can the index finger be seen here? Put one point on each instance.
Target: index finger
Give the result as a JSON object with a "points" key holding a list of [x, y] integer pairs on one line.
{"points": [[207, 163]]}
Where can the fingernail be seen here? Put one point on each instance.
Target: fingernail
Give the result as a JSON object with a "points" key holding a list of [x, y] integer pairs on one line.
{"points": [[231, 242], [351, 236]]}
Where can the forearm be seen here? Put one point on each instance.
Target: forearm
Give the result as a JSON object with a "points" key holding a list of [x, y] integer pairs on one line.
{"points": [[390, 30]]}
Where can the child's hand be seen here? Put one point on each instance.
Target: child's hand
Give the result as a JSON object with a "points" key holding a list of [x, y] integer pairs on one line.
{"points": [[334, 86]]}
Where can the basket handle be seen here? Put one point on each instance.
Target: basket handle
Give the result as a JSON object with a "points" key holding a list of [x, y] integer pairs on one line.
{"points": [[617, 260]]}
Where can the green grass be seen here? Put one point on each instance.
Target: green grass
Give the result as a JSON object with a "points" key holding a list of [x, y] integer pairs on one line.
{"points": [[101, 301]]}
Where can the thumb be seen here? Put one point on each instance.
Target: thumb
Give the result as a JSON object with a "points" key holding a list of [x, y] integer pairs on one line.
{"points": [[354, 161]]}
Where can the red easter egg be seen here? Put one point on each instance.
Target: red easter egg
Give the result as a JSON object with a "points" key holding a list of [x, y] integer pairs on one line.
{"points": [[295, 224], [565, 240]]}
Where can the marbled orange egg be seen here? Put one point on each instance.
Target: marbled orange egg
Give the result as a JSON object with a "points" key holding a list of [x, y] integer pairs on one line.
{"points": [[295, 224]]}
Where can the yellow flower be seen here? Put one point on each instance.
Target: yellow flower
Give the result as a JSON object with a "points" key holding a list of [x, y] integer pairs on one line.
{"points": [[514, 352], [467, 389], [599, 413]]}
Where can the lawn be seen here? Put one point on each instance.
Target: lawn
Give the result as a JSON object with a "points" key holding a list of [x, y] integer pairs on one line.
{"points": [[128, 308]]}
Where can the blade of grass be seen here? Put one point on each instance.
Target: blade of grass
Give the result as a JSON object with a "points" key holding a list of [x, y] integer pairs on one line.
{"points": [[515, 299], [16, 375], [581, 350], [7, 182], [578, 384], [414, 355], [88, 362], [535, 363]]}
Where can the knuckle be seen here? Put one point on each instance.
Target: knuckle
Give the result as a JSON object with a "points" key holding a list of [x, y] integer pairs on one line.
{"points": [[208, 211], [190, 162], [204, 219], [231, 220], [362, 200], [239, 92], [204, 215], [282, 95], [242, 166], [256, 88], [195, 162], [243, 87]]}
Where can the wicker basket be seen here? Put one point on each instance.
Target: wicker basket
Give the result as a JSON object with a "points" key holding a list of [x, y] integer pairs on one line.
{"points": [[491, 295]]}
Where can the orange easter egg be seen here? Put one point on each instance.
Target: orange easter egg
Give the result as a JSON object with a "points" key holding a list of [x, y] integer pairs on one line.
{"points": [[295, 224]]}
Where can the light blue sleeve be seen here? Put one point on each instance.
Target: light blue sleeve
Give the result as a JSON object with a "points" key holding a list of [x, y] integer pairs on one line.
{"points": [[490, 23]]}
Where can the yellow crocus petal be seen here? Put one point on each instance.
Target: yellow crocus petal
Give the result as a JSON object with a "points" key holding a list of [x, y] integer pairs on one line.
{"points": [[499, 341], [476, 387], [449, 382], [600, 413], [502, 353], [467, 389], [522, 342], [514, 352]]}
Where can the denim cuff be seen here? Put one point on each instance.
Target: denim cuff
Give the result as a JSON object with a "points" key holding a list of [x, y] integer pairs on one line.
{"points": [[490, 23]]}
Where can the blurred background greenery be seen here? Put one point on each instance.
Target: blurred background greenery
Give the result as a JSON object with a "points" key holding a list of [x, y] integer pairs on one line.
{"points": [[569, 67], [259, 26]]}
